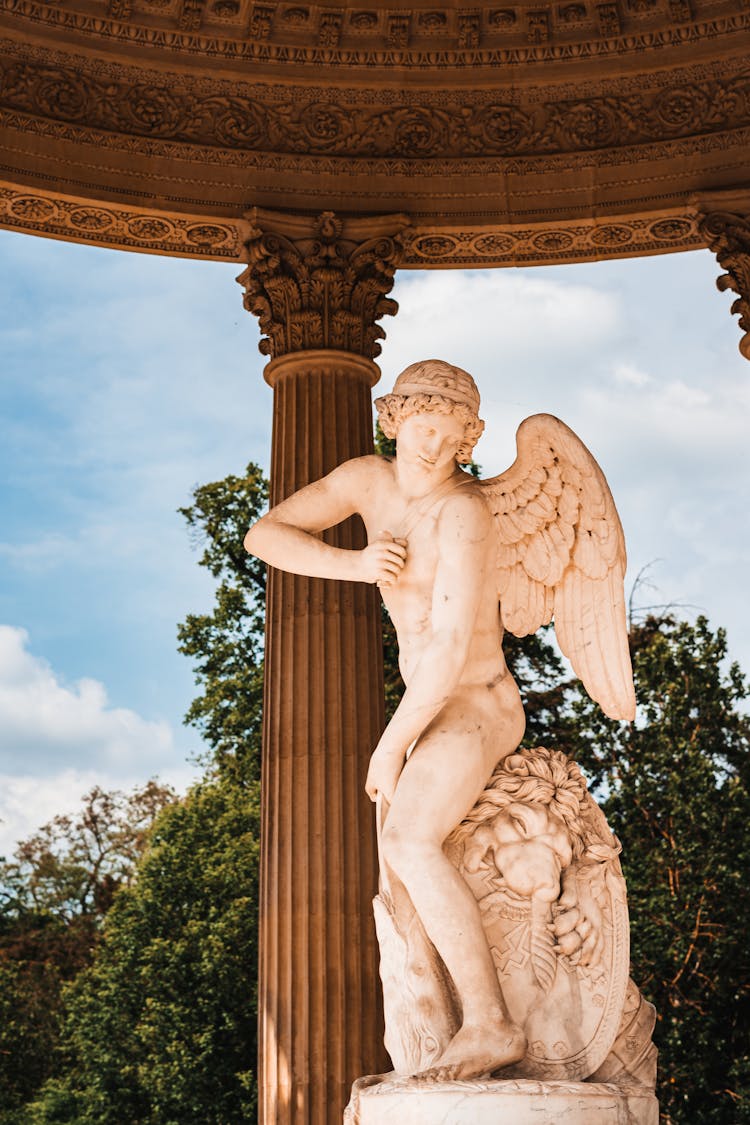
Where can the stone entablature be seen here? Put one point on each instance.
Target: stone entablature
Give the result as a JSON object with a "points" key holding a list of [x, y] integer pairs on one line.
{"points": [[421, 247], [508, 134]]}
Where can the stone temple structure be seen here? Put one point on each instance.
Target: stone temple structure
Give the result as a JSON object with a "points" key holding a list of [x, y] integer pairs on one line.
{"points": [[320, 147]]}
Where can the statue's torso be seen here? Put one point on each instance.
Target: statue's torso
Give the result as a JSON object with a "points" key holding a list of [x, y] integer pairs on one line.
{"points": [[409, 599]]}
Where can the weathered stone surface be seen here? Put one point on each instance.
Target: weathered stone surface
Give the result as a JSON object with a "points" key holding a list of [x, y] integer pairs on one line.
{"points": [[728, 235], [394, 1101]]}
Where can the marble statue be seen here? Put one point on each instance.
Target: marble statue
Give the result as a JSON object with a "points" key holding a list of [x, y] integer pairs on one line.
{"points": [[501, 916]]}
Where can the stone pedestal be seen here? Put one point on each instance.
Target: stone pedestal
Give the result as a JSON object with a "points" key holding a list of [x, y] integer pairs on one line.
{"points": [[398, 1101]]}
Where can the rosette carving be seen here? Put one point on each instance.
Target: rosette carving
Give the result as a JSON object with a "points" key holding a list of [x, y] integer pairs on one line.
{"points": [[502, 128], [321, 283], [419, 132], [590, 124], [152, 110], [60, 95], [728, 236]]}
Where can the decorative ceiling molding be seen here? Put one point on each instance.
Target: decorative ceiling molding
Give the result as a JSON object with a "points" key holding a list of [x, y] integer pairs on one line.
{"points": [[156, 124], [325, 121], [422, 246], [447, 35], [76, 220]]}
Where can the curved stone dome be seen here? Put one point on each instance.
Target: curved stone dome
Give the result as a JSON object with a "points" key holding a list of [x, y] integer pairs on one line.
{"points": [[508, 132]]}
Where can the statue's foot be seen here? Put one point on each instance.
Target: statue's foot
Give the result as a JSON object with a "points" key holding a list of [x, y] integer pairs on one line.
{"points": [[475, 1052]]}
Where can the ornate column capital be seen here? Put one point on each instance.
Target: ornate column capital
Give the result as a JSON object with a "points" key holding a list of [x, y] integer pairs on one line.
{"points": [[320, 282], [727, 234]]}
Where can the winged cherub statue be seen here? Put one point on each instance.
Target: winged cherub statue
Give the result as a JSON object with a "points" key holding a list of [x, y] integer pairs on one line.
{"points": [[544, 540]]}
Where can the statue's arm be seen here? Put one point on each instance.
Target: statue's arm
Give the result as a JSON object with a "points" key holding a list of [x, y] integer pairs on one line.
{"points": [[287, 536], [463, 530]]}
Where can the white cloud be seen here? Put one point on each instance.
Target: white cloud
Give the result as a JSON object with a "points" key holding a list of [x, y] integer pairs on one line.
{"points": [[27, 802], [629, 375], [499, 324], [44, 553], [46, 724]]}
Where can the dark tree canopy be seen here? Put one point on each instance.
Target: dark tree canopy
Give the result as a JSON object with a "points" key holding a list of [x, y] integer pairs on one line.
{"points": [[160, 1030], [676, 789], [54, 894]]}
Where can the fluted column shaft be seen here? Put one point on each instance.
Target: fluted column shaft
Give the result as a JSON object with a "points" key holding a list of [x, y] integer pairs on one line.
{"points": [[321, 1022], [318, 287]]}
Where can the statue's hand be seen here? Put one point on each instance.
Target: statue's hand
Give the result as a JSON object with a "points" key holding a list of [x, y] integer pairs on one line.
{"points": [[578, 926], [382, 560], [384, 772]]}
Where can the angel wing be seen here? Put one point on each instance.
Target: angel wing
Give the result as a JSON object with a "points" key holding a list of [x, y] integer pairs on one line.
{"points": [[561, 553]]}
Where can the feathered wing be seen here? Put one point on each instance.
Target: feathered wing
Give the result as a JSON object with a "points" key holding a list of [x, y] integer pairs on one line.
{"points": [[561, 553]]}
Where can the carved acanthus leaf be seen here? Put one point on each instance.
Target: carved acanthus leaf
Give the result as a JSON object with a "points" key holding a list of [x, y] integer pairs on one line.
{"points": [[728, 235], [323, 288]]}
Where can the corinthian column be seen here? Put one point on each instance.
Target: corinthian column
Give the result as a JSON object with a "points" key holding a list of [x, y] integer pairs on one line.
{"points": [[728, 235], [318, 287]]}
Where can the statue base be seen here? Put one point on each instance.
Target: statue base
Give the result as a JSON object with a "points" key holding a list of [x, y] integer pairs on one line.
{"points": [[386, 1099]]}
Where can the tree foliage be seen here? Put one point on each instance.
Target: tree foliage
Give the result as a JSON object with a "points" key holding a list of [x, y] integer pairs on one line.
{"points": [[160, 1030], [54, 894], [226, 645], [676, 789], [72, 866]]}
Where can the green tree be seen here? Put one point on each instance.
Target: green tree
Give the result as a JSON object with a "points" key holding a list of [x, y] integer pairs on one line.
{"points": [[160, 1030], [226, 645], [676, 789], [71, 867], [54, 894]]}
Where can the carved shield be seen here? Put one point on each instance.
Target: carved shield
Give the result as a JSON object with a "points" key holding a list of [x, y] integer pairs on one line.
{"points": [[570, 1012]]}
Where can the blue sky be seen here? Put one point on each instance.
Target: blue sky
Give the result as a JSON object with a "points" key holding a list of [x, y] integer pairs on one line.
{"points": [[127, 379]]}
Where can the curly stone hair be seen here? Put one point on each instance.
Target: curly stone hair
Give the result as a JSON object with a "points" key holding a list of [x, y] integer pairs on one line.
{"points": [[443, 389]]}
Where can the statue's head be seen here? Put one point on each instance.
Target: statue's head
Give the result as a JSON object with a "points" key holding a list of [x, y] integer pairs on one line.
{"points": [[437, 386]]}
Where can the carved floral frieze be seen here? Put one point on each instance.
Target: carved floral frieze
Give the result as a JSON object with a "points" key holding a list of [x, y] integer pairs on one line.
{"points": [[331, 122], [566, 242], [418, 248]]}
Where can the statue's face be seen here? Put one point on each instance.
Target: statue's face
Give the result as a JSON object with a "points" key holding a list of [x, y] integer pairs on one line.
{"points": [[428, 440], [530, 847]]}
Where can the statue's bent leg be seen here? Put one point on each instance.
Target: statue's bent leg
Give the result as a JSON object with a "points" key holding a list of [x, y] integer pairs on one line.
{"points": [[439, 784]]}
